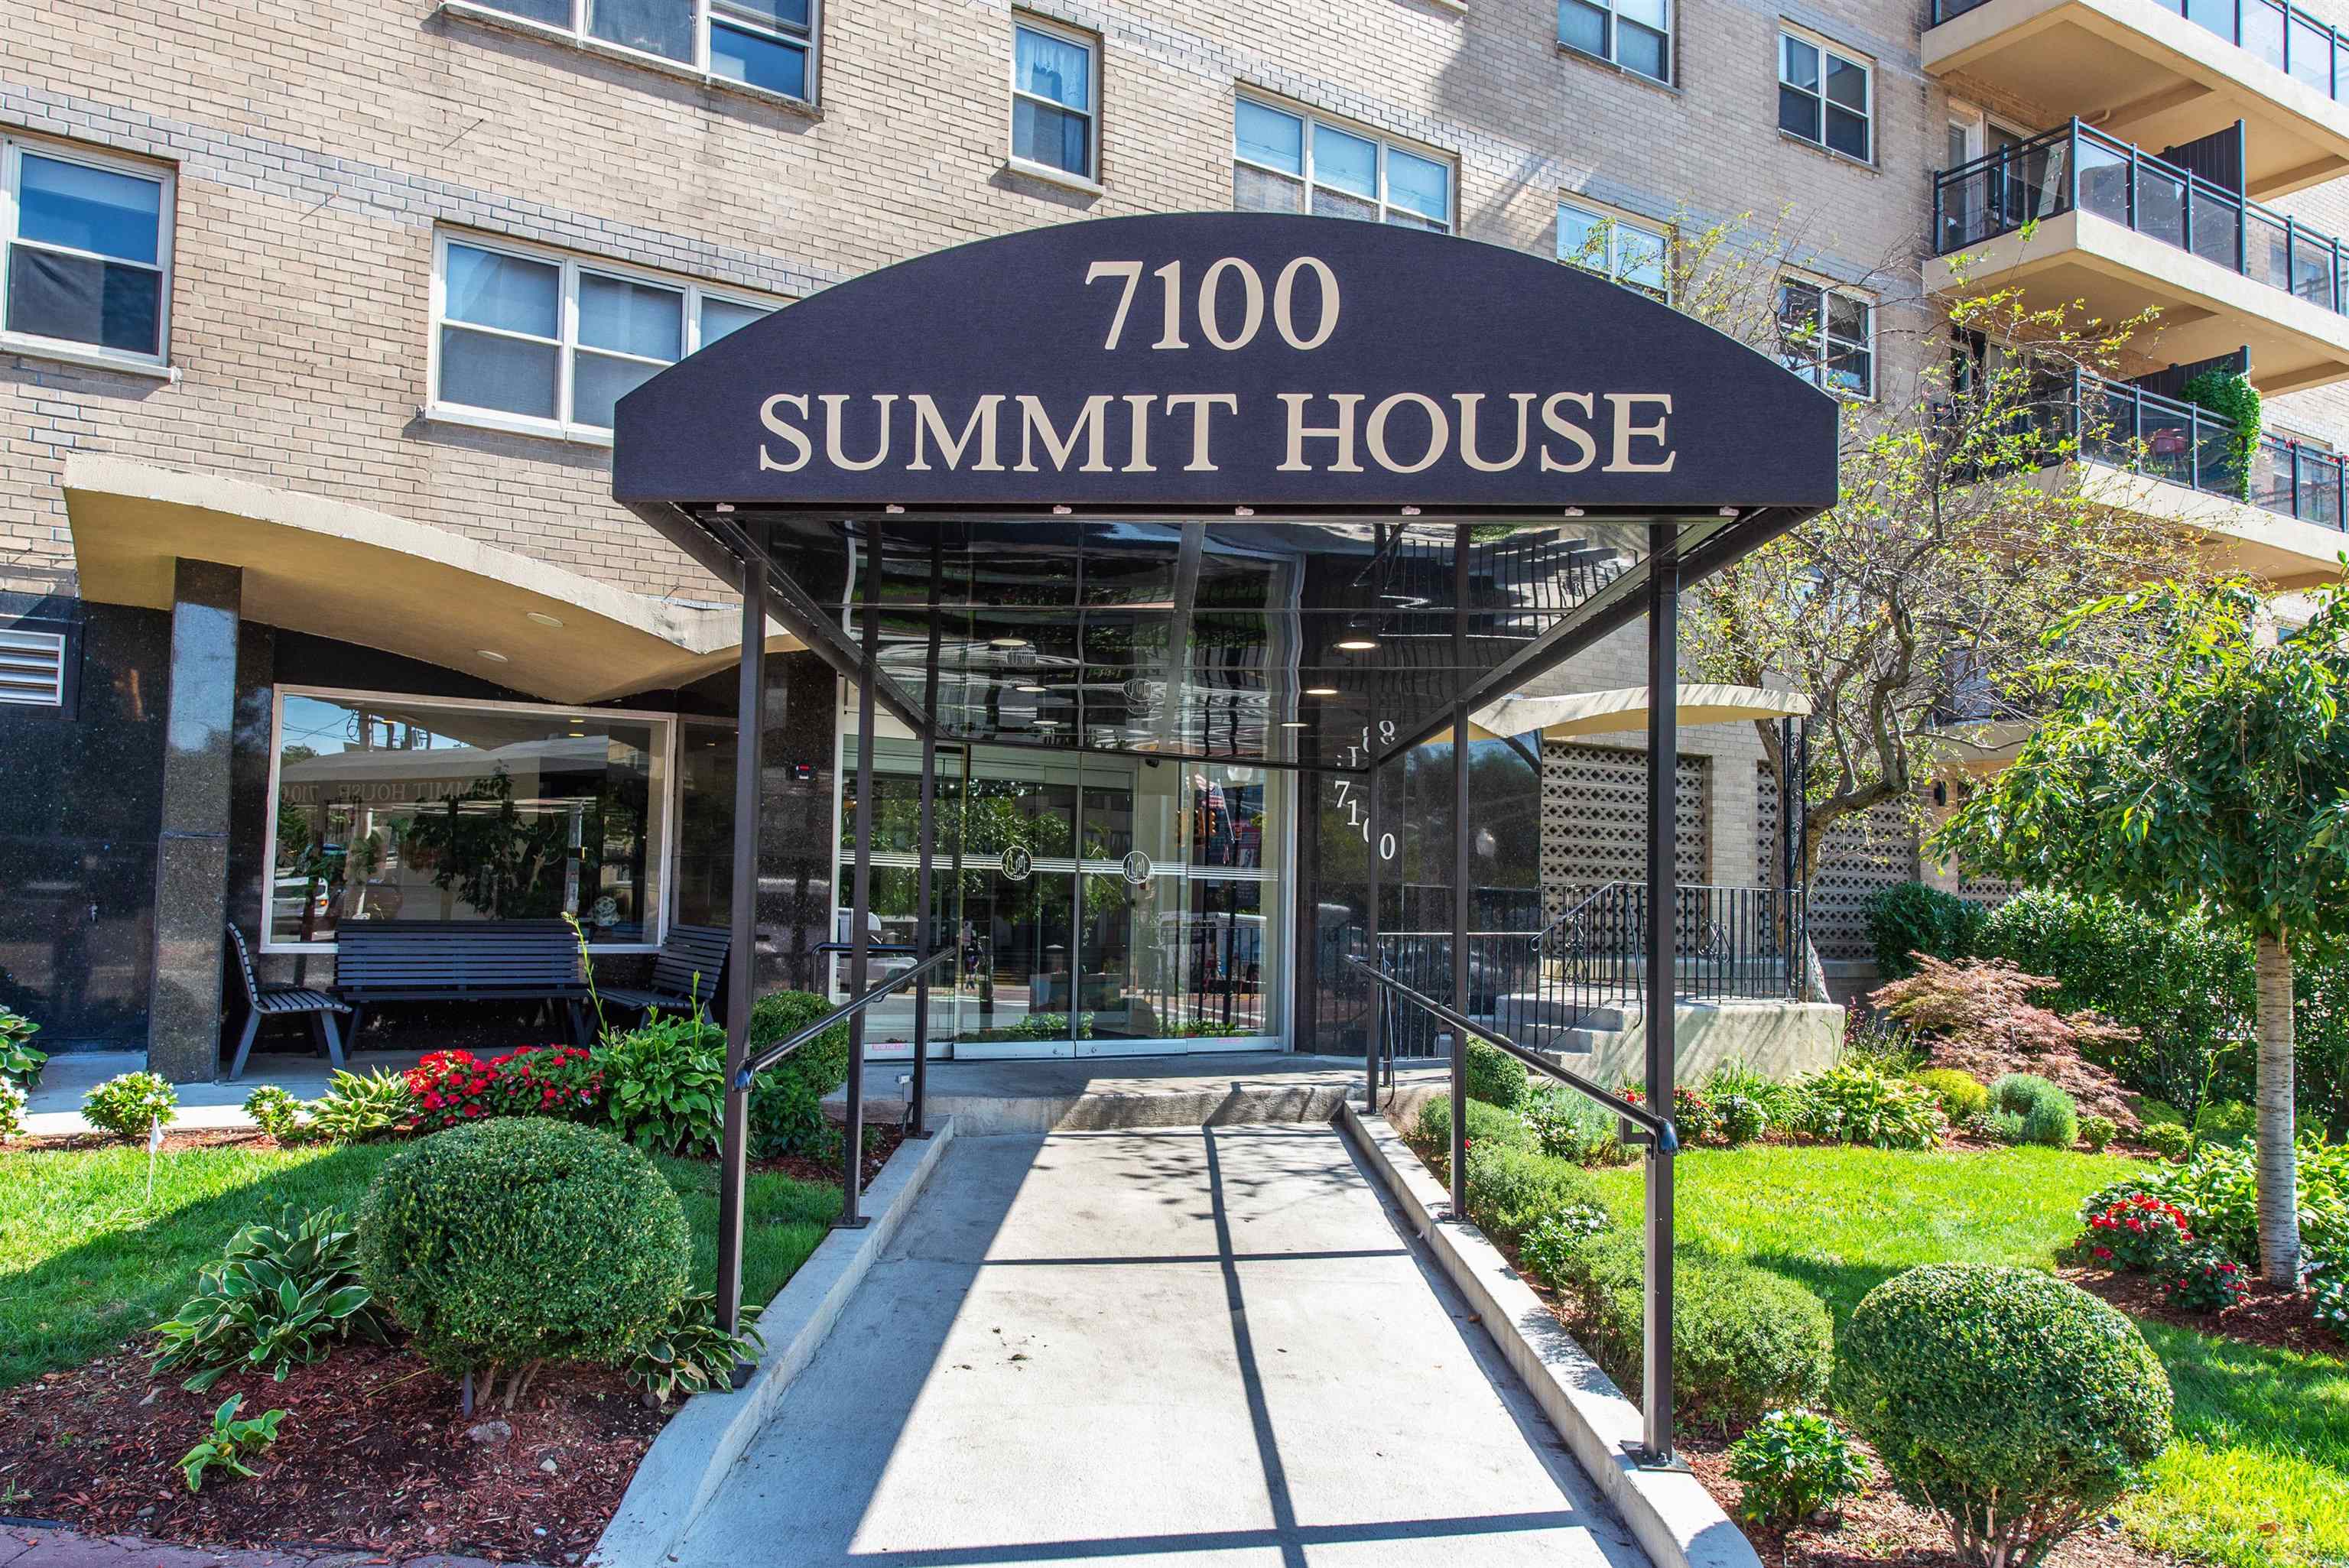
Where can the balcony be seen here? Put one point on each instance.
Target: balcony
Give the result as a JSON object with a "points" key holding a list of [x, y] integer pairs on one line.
{"points": [[2148, 71], [2119, 231]]}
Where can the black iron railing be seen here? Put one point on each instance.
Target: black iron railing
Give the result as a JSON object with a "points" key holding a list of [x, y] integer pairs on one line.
{"points": [[2077, 168], [2287, 37]]}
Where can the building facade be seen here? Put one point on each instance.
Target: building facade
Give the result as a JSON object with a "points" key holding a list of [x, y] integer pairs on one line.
{"points": [[314, 316]]}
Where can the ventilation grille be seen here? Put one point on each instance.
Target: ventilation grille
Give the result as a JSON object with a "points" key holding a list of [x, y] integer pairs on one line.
{"points": [[1595, 820], [33, 669]]}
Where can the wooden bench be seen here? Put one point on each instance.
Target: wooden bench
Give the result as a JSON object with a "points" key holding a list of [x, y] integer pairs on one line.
{"points": [[688, 974], [457, 960], [281, 1002]]}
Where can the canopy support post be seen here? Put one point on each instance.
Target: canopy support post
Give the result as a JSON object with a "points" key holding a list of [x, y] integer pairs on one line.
{"points": [[860, 941], [1663, 749], [1461, 901], [743, 951], [918, 1114]]}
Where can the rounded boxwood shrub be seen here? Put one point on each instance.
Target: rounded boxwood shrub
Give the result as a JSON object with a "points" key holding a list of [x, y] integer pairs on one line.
{"points": [[518, 1241], [1962, 1095], [1496, 1077], [1744, 1340], [2046, 1113], [2013, 1404], [787, 1099]]}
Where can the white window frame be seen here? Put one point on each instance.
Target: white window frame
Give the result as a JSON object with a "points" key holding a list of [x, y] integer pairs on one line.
{"points": [[1613, 223], [1305, 175], [562, 427], [1814, 367], [577, 33], [1613, 53], [1826, 48], [667, 727], [12, 162], [1091, 180]]}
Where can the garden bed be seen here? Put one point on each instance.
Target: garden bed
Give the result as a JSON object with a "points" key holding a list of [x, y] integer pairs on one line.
{"points": [[2276, 1319]]}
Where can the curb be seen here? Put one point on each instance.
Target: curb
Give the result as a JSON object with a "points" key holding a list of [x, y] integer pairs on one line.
{"points": [[1675, 1520], [688, 1461]]}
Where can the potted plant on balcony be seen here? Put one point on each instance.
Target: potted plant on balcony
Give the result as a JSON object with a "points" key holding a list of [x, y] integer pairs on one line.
{"points": [[2230, 394]]}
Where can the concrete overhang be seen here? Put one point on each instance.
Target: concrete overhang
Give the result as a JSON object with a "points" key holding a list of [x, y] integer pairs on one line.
{"points": [[1623, 710], [2206, 310], [2279, 550], [335, 570], [2139, 71]]}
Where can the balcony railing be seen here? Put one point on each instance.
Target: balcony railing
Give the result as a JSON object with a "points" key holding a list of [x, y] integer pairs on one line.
{"points": [[2075, 168], [2308, 51], [2169, 439]]}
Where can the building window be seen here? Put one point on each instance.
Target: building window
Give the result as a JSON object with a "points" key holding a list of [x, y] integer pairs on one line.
{"points": [[1289, 162], [764, 44], [545, 344], [1637, 255], [88, 252], [1828, 337], [399, 807], [1637, 35], [1053, 124], [1824, 97]]}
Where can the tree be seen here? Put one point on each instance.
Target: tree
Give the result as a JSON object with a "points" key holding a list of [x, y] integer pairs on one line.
{"points": [[2208, 765]]}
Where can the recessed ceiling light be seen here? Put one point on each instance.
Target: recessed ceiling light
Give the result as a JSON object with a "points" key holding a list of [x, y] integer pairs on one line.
{"points": [[1032, 690], [1320, 691], [1292, 724], [1357, 644], [542, 618], [492, 654]]}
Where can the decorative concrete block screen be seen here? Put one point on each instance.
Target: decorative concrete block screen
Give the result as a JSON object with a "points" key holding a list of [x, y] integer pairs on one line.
{"points": [[1594, 822], [1860, 859]]}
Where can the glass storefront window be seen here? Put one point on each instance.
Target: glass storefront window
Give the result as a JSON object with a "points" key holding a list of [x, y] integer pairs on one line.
{"points": [[393, 808]]}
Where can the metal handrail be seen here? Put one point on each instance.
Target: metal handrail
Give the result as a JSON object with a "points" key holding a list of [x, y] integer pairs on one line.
{"points": [[775, 1052], [2265, 28], [1657, 1125]]}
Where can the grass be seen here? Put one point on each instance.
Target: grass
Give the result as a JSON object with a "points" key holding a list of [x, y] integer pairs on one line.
{"points": [[2258, 1477], [88, 1260]]}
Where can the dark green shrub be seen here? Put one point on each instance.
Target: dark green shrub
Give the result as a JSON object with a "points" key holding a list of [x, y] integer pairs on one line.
{"points": [[2231, 1122], [1567, 1126], [519, 1241], [2170, 1139], [1553, 1247], [1791, 1464], [1744, 1340], [1511, 1187], [2015, 1406], [2096, 1131], [2046, 1114], [1914, 918], [1959, 1094], [1487, 1124], [787, 1099], [1496, 1077], [664, 1083]]}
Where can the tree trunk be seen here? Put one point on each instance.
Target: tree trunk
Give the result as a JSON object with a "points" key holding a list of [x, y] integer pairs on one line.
{"points": [[2279, 1182]]}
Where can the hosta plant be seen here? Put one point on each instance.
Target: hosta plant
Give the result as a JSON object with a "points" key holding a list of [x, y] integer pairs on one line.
{"points": [[19, 1062], [232, 1442], [691, 1355], [11, 1110], [665, 1082], [356, 1109], [283, 1296], [131, 1105], [1855, 1102], [1792, 1464]]}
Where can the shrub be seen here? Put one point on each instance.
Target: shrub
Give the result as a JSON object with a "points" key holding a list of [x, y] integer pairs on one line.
{"points": [[1744, 1340], [2136, 1232], [1914, 918], [1959, 1094], [2170, 1139], [2204, 1279], [519, 1241], [1792, 1464], [1739, 1120], [2015, 1406], [1985, 1007], [276, 1112], [2048, 1116], [1487, 1124], [451, 1088], [1733, 1079], [1511, 1187], [1496, 1077], [1852, 1102], [20, 1063], [2218, 1188], [559, 1081], [1566, 1126], [1694, 1115], [2229, 1122], [283, 1298], [2096, 1131], [690, 1354], [11, 1110], [664, 1083], [130, 1104], [231, 1443], [355, 1109], [787, 1099], [1552, 1247], [1881, 1042]]}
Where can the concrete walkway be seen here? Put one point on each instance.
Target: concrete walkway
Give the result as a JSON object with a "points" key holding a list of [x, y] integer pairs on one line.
{"points": [[1208, 1346], [54, 1109]]}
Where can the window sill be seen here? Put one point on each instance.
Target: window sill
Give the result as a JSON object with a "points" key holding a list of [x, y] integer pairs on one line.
{"points": [[514, 425], [1051, 176], [1846, 159], [1640, 78], [1457, 7], [87, 358], [488, 17]]}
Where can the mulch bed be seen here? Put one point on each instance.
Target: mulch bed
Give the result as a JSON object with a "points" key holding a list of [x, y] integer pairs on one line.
{"points": [[2276, 1319], [880, 1142], [372, 1454]]}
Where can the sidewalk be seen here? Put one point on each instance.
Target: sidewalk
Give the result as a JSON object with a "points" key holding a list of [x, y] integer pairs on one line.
{"points": [[54, 1109]]}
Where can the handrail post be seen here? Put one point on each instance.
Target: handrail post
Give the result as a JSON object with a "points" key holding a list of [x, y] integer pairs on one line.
{"points": [[1664, 752], [917, 1123], [852, 1132], [734, 1142], [1460, 893]]}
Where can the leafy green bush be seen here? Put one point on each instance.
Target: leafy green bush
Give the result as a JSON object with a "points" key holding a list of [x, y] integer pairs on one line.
{"points": [[1959, 1094], [2170, 1140], [1914, 918], [231, 1443], [2218, 1188], [1854, 1103], [1496, 1077], [2015, 1406], [787, 1099], [1735, 1080], [11, 1110], [20, 1063], [2230, 394], [665, 1082], [2046, 1114], [519, 1241], [690, 1354], [1738, 1119], [1792, 1464], [1487, 1124], [1510, 1187], [355, 1109], [1744, 1340], [283, 1298], [2096, 1131], [130, 1105], [2226, 1122], [1552, 1247], [2204, 1279], [1881, 1041], [276, 1111], [1566, 1126]]}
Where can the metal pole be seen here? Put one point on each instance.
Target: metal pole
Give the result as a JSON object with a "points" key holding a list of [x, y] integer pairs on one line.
{"points": [[742, 953], [851, 1155], [1663, 749], [916, 1119], [1377, 1040], [1460, 898]]}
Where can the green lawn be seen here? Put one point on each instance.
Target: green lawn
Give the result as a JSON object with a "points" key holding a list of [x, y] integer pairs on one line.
{"points": [[2260, 1473], [87, 1260]]}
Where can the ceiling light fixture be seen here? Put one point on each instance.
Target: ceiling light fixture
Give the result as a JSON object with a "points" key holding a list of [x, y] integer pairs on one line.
{"points": [[1292, 724], [492, 654], [1357, 644], [542, 618], [1032, 690], [1006, 644], [1320, 691]]}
